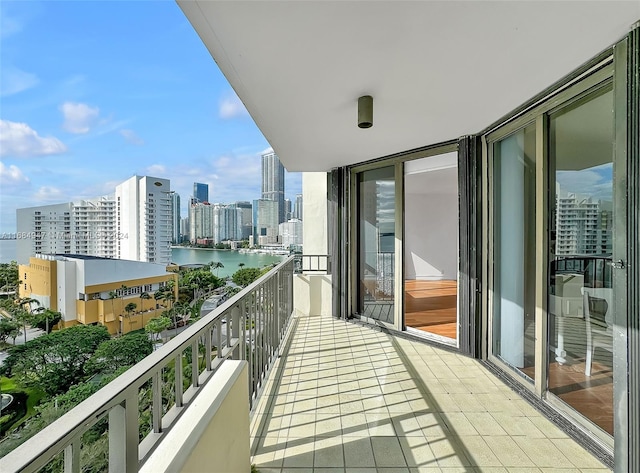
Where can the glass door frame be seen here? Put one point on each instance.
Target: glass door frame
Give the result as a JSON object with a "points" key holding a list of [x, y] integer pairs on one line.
{"points": [[602, 75], [397, 161]]}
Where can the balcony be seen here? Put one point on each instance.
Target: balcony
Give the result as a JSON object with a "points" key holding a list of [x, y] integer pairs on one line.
{"points": [[290, 390]]}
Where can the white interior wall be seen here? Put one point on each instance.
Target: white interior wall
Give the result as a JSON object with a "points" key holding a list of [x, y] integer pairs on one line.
{"points": [[431, 218], [431, 236]]}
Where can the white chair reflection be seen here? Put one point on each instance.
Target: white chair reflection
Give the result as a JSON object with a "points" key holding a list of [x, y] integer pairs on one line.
{"points": [[599, 333]]}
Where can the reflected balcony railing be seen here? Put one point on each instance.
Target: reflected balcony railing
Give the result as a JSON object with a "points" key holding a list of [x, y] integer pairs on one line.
{"points": [[312, 264], [147, 400]]}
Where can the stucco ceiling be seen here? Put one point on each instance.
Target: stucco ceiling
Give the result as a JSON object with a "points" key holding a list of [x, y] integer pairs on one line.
{"points": [[437, 70]]}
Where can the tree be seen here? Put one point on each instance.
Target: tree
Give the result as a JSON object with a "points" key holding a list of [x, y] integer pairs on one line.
{"points": [[118, 352], [217, 265], [9, 276], [24, 315], [144, 296], [157, 325], [112, 296], [129, 308], [56, 361], [9, 329], [245, 276], [241, 265], [45, 319]]}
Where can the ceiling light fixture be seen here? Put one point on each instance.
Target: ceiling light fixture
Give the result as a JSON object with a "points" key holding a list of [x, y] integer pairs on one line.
{"points": [[365, 111]]}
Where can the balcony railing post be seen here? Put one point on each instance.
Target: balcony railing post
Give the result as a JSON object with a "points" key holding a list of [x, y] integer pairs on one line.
{"points": [[195, 369], [156, 405], [123, 436], [277, 303], [235, 330], [72, 457], [178, 381]]}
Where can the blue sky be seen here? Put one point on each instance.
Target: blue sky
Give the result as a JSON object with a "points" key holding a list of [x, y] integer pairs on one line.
{"points": [[93, 92]]}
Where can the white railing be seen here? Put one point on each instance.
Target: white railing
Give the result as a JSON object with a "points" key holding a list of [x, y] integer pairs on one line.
{"points": [[250, 326]]}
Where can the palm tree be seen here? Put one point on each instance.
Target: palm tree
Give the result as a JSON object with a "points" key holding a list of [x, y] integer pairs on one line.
{"points": [[112, 296], [129, 308], [241, 265], [144, 296], [24, 314], [217, 265]]}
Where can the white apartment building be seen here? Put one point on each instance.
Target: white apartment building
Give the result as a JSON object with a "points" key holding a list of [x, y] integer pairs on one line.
{"points": [[84, 227], [217, 222], [290, 233], [583, 225], [143, 219]]}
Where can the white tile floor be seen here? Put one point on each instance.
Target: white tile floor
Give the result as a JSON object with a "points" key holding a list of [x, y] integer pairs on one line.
{"points": [[348, 399]]}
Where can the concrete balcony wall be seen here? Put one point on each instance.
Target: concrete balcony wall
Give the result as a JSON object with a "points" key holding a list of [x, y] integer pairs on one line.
{"points": [[312, 294], [314, 220], [213, 434]]}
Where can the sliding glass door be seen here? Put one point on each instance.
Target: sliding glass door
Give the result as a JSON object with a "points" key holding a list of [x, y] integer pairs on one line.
{"points": [[580, 289], [376, 243], [552, 195], [514, 250]]}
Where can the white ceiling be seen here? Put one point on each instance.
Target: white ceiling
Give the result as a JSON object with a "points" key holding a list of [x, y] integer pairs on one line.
{"points": [[437, 70]]}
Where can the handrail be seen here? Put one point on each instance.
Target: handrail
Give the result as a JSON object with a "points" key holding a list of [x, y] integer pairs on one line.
{"points": [[259, 315]]}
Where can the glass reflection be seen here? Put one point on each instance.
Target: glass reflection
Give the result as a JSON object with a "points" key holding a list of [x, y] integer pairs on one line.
{"points": [[376, 194], [514, 169], [580, 286]]}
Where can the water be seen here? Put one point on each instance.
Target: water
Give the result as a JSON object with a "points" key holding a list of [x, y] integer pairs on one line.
{"points": [[230, 259], [8, 250]]}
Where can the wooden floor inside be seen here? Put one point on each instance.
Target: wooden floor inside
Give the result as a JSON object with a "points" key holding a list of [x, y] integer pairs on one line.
{"points": [[431, 306]]}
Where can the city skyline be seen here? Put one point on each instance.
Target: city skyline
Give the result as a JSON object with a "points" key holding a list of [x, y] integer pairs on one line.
{"points": [[79, 117]]}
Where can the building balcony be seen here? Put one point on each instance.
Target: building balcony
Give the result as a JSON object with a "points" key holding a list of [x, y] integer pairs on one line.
{"points": [[274, 383]]}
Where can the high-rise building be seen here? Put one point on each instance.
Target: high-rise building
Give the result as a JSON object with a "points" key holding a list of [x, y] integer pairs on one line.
{"points": [[200, 221], [85, 227], [184, 228], [201, 192], [297, 211], [273, 181], [290, 233], [583, 225], [143, 219], [265, 222], [288, 214], [246, 218], [175, 218]]}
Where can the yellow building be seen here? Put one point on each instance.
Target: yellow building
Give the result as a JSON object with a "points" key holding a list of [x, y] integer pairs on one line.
{"points": [[90, 290]]}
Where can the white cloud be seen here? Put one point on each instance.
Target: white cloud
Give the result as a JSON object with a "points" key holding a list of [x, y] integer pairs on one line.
{"points": [[49, 194], [78, 117], [12, 176], [156, 170], [131, 137], [231, 107], [14, 80], [20, 140], [8, 26]]}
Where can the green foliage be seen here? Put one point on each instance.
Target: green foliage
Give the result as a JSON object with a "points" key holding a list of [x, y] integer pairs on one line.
{"points": [[8, 329], [54, 362], [9, 277], [245, 276], [158, 325], [118, 352], [46, 319]]}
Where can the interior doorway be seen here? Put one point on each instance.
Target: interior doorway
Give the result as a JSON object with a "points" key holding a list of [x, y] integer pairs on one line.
{"points": [[431, 247]]}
